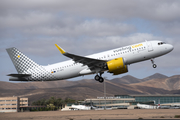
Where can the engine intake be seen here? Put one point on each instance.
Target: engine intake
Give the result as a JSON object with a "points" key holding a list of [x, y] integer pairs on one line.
{"points": [[117, 66]]}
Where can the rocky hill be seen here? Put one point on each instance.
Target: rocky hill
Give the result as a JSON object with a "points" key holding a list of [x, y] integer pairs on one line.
{"points": [[88, 88], [155, 76], [171, 83]]}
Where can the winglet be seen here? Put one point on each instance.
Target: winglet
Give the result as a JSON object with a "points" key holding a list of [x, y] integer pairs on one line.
{"points": [[60, 49]]}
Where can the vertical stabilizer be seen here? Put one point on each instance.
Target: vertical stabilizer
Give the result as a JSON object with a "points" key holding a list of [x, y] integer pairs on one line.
{"points": [[27, 69], [21, 62]]}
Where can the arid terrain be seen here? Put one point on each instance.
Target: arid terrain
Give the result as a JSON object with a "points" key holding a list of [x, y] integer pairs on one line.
{"points": [[90, 115], [155, 84], [89, 88]]}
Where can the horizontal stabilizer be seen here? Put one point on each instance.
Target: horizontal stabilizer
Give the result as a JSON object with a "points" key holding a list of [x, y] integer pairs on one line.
{"points": [[19, 75]]}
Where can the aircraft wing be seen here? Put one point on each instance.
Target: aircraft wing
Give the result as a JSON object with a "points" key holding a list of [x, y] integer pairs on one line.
{"points": [[90, 62]]}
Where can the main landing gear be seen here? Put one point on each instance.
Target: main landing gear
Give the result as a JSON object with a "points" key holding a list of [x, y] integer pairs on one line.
{"points": [[99, 78], [154, 65]]}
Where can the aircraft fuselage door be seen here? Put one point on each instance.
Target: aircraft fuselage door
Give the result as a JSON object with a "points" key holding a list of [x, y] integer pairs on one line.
{"points": [[149, 45]]}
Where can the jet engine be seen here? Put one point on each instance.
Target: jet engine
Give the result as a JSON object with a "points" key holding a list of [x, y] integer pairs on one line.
{"points": [[117, 66]]}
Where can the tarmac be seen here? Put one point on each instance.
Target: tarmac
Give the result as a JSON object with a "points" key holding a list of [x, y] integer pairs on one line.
{"points": [[93, 114]]}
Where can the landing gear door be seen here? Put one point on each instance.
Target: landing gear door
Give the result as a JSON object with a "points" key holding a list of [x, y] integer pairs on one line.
{"points": [[149, 45]]}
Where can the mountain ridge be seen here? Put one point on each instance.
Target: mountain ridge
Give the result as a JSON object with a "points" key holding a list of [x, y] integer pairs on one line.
{"points": [[155, 76], [89, 88]]}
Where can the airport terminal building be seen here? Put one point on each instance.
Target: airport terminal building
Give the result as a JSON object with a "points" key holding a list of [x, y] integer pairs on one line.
{"points": [[157, 99], [125, 101]]}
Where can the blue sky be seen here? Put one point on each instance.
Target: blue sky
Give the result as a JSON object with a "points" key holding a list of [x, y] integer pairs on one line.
{"points": [[86, 27]]}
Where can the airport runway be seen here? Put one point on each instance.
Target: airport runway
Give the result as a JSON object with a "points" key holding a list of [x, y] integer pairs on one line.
{"points": [[93, 114]]}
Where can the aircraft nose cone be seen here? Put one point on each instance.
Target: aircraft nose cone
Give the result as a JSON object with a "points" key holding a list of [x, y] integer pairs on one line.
{"points": [[171, 47]]}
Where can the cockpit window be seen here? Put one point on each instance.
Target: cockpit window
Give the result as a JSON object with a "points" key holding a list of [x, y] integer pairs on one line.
{"points": [[161, 43]]}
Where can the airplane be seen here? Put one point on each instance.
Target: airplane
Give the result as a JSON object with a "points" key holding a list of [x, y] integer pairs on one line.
{"points": [[145, 106], [114, 61], [82, 107]]}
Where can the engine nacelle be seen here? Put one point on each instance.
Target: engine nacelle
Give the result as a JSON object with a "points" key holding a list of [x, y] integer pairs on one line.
{"points": [[117, 66]]}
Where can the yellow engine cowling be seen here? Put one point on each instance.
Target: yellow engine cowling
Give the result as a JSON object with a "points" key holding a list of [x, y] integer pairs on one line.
{"points": [[117, 66]]}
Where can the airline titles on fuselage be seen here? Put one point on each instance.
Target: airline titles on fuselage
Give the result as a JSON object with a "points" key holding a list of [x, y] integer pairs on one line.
{"points": [[127, 48]]}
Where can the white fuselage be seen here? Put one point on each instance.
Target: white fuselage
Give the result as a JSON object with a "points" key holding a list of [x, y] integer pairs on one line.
{"points": [[131, 54], [144, 106], [80, 107]]}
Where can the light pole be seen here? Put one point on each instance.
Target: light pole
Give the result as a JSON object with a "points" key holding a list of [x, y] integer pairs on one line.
{"points": [[105, 92]]}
